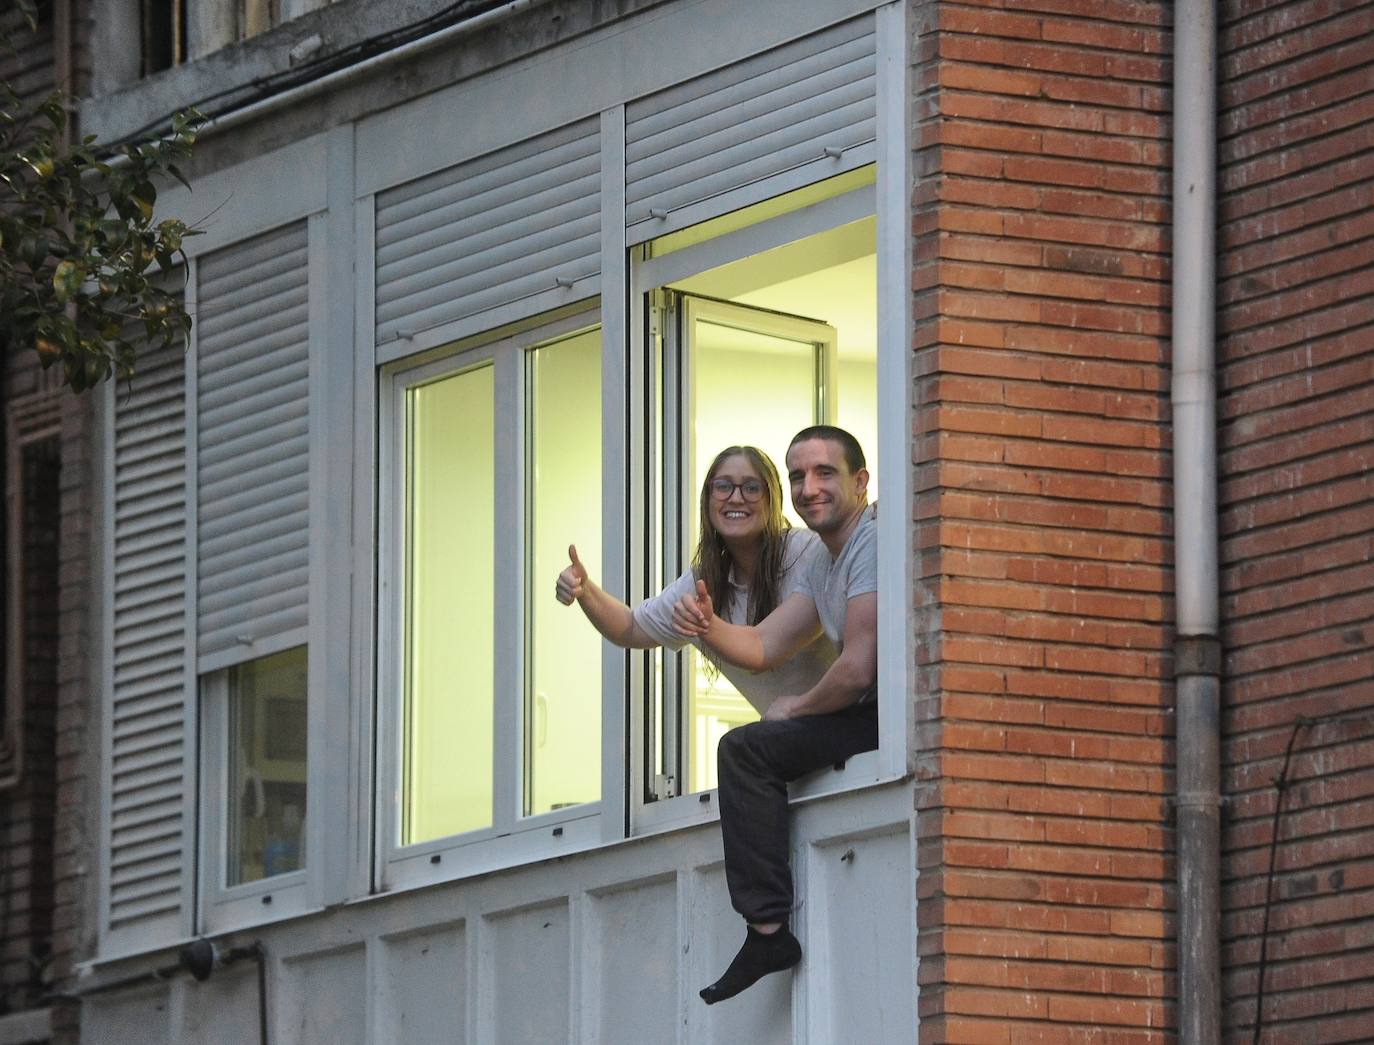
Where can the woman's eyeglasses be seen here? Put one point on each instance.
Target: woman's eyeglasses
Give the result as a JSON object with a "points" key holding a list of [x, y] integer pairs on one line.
{"points": [[722, 489]]}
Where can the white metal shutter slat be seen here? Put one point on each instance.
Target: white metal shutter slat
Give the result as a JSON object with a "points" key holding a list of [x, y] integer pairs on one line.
{"points": [[272, 386], [253, 453], [739, 125], [432, 262], [264, 542], [500, 283], [268, 319], [250, 508], [257, 260], [147, 646], [453, 243]]}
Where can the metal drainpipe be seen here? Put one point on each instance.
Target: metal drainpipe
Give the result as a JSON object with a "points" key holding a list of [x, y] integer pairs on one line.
{"points": [[1197, 648]]}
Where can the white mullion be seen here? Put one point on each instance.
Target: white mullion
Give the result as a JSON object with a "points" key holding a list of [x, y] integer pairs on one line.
{"points": [[617, 390], [373, 649], [192, 917], [896, 646], [339, 768], [508, 561], [677, 409], [320, 792], [390, 622]]}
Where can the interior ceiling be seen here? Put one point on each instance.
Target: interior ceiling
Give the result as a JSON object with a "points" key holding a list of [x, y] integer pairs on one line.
{"points": [[831, 277]]}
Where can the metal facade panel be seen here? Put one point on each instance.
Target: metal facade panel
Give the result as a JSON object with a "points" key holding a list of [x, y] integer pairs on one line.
{"points": [[496, 230], [253, 432], [148, 685], [748, 121]]}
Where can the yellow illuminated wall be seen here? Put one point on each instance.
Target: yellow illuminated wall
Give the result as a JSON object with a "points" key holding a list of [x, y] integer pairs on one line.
{"points": [[449, 604]]}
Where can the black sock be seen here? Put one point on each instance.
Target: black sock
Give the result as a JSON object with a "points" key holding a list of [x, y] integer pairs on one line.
{"points": [[761, 954]]}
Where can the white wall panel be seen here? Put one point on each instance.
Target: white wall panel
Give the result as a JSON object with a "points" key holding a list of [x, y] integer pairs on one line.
{"points": [[134, 1018], [763, 1013], [606, 947], [635, 981], [326, 999], [425, 981], [223, 1008], [527, 969], [866, 990]]}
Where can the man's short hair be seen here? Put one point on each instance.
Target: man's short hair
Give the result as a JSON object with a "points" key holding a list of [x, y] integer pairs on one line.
{"points": [[853, 452]]}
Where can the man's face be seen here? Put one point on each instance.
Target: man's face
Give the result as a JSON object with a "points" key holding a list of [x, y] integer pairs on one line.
{"points": [[824, 491]]}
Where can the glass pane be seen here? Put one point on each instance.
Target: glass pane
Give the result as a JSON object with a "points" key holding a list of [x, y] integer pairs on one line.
{"points": [[777, 378], [449, 601], [267, 731], [563, 701]]}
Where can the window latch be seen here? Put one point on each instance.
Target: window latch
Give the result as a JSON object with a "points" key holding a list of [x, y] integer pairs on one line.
{"points": [[665, 786]]}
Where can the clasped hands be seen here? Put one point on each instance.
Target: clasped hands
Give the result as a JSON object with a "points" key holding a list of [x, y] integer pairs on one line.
{"points": [[693, 615]]}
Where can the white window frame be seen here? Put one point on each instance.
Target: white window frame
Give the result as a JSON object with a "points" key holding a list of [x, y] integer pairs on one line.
{"points": [[227, 907], [647, 275], [512, 838]]}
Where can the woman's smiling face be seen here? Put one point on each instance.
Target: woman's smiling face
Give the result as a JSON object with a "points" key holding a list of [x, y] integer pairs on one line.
{"points": [[736, 518]]}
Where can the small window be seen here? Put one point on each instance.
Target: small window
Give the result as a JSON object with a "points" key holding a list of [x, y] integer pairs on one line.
{"points": [[164, 34], [255, 787]]}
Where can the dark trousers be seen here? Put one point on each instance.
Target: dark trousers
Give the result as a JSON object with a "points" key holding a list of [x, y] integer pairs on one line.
{"points": [[755, 764]]}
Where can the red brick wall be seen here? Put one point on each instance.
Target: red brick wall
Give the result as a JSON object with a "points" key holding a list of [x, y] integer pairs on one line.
{"points": [[1044, 523], [1296, 347]]}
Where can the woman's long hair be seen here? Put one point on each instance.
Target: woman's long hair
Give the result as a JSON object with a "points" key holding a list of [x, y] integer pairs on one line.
{"points": [[712, 562]]}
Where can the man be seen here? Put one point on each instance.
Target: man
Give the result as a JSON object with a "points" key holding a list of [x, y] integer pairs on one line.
{"points": [[836, 718]]}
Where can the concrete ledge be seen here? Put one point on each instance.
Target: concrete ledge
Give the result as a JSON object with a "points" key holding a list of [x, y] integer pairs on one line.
{"points": [[26, 1028]]}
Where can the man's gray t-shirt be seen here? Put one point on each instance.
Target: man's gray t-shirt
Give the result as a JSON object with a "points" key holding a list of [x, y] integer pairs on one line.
{"points": [[800, 557], [832, 583]]}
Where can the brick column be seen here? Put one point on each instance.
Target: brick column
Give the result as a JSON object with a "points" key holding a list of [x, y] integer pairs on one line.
{"points": [[1044, 521]]}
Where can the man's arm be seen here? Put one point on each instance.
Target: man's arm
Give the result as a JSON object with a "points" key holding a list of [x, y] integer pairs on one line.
{"points": [[854, 672], [608, 614], [760, 647]]}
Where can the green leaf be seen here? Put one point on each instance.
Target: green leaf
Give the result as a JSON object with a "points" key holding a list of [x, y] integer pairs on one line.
{"points": [[66, 280]]}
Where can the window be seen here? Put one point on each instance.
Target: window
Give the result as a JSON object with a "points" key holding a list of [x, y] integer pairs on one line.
{"points": [[254, 744], [766, 327], [493, 692], [265, 734]]}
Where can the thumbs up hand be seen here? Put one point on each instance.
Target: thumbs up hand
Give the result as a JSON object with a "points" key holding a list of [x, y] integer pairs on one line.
{"points": [[693, 613], [572, 581]]}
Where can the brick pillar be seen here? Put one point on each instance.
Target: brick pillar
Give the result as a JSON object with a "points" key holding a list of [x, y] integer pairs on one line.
{"points": [[1043, 501]]}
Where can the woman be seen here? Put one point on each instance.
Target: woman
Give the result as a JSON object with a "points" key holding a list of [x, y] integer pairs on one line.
{"points": [[750, 559]]}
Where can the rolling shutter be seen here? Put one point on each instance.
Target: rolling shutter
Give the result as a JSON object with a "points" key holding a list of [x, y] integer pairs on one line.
{"points": [[502, 228], [252, 458], [745, 123], [146, 719]]}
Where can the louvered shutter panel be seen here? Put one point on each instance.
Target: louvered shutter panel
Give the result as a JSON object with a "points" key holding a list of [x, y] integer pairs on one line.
{"points": [[146, 719], [498, 229], [253, 425], [760, 117]]}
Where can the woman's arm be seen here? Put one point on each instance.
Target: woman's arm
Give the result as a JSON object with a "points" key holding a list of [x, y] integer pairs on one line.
{"points": [[773, 641], [608, 614]]}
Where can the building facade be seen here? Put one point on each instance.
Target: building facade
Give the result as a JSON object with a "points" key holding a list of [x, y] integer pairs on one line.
{"points": [[479, 282]]}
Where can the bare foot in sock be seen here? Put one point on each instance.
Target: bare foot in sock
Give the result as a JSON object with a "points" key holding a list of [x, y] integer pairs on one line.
{"points": [[761, 954]]}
